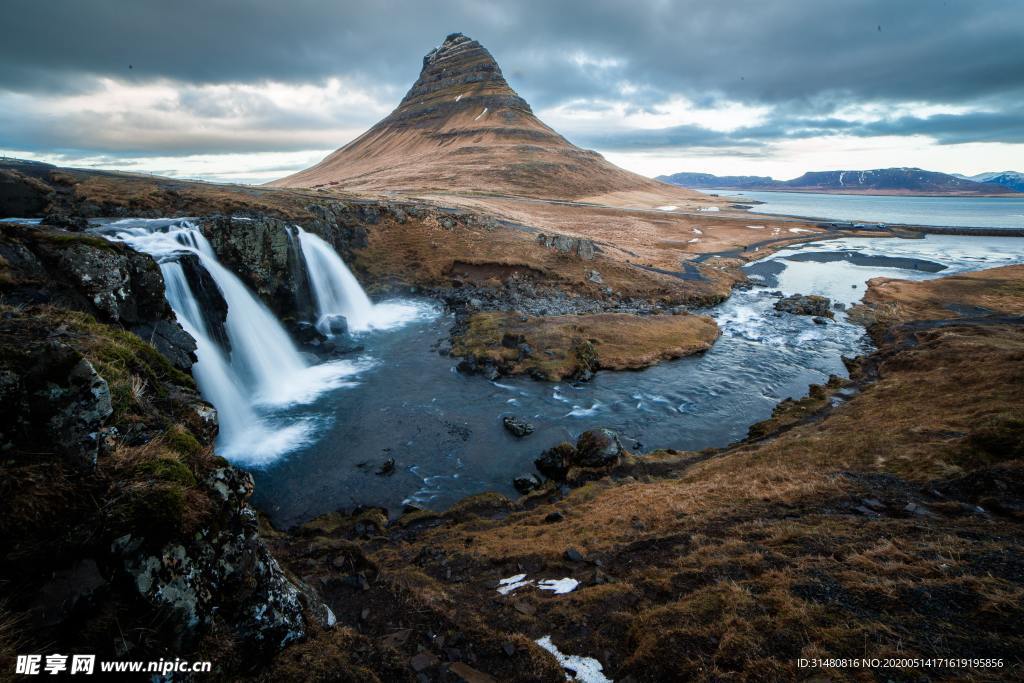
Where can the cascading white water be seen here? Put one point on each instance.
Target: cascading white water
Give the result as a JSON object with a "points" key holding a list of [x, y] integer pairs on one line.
{"points": [[263, 367], [335, 289], [337, 292]]}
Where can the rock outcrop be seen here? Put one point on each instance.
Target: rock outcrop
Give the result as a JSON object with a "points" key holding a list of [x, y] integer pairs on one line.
{"points": [[570, 246], [87, 273], [122, 532], [806, 304]]}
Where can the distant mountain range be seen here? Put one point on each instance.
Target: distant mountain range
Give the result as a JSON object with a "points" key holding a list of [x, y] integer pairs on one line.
{"points": [[1011, 179], [906, 181]]}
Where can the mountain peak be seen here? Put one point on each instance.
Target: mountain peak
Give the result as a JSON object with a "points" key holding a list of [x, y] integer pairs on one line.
{"points": [[460, 74], [462, 128]]}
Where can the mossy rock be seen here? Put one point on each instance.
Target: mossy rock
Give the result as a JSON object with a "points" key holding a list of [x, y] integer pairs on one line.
{"points": [[169, 470], [181, 441], [155, 511]]}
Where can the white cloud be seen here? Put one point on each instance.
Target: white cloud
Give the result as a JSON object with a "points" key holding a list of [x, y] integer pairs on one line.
{"points": [[602, 115], [791, 158]]}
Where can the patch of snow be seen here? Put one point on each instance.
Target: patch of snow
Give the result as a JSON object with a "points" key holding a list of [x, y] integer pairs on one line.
{"points": [[583, 669], [798, 230], [756, 227], [695, 239], [481, 113], [698, 231], [506, 586], [709, 208], [458, 98], [667, 207], [558, 586]]}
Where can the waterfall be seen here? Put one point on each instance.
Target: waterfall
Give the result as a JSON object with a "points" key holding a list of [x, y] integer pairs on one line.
{"points": [[336, 291], [262, 368]]}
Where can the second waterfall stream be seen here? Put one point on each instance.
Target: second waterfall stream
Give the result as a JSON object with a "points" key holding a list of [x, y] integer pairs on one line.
{"points": [[248, 367]]}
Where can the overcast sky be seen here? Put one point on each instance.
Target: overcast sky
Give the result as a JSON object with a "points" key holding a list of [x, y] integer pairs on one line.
{"points": [[250, 91]]}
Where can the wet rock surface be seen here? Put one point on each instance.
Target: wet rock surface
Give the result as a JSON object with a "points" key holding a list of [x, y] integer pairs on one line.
{"points": [[806, 304], [54, 400], [598, 448], [94, 413], [517, 426], [87, 273]]}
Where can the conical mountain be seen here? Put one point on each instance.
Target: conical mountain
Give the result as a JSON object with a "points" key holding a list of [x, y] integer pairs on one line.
{"points": [[462, 128]]}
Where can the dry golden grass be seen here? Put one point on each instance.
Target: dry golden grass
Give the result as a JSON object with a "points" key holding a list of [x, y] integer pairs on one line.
{"points": [[565, 345], [999, 290], [733, 565]]}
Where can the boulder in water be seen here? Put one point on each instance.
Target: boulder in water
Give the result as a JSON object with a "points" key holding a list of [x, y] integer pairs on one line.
{"points": [[597, 448], [554, 462], [525, 483], [806, 304], [517, 426], [334, 325]]}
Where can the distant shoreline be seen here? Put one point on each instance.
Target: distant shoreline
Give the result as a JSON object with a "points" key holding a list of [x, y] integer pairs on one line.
{"points": [[873, 193]]}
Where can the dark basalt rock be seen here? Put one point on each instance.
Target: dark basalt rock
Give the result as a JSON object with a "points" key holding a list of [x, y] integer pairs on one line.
{"points": [[554, 463], [525, 483], [87, 273], [806, 304], [597, 448], [209, 299], [21, 195], [265, 254], [225, 571], [66, 222], [58, 403], [517, 426], [569, 246], [336, 325]]}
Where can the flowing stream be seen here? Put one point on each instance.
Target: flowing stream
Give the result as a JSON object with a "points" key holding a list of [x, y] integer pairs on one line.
{"points": [[318, 435]]}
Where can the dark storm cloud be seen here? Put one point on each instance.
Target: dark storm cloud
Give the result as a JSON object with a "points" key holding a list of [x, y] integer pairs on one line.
{"points": [[812, 56]]}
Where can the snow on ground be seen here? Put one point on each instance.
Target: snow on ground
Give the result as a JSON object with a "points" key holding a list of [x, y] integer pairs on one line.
{"points": [[481, 113], [709, 208], [582, 669], [668, 207], [756, 227], [506, 586], [798, 230], [558, 586]]}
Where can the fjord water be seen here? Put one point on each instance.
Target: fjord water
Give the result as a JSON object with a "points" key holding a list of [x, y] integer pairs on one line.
{"points": [[963, 212], [443, 429]]}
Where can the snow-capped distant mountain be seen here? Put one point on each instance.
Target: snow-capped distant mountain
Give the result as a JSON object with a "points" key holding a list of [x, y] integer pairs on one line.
{"points": [[1011, 179], [906, 181]]}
